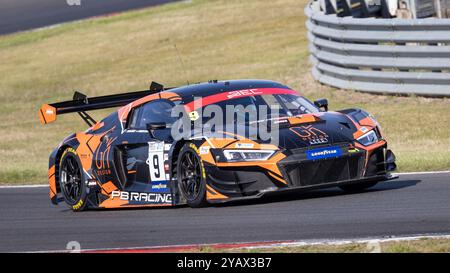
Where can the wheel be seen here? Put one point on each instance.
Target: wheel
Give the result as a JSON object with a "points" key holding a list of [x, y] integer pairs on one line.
{"points": [[358, 187], [191, 176], [71, 180]]}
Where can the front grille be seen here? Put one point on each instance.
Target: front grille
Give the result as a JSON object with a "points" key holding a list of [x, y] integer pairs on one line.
{"points": [[306, 173]]}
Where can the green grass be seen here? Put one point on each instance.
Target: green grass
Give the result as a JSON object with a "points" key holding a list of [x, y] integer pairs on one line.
{"points": [[217, 40], [425, 245]]}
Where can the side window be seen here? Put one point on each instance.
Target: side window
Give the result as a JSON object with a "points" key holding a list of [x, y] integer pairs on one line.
{"points": [[297, 105], [151, 112], [133, 118], [274, 107]]}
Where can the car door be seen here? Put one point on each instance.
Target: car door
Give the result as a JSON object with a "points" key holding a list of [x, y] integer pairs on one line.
{"points": [[145, 156]]}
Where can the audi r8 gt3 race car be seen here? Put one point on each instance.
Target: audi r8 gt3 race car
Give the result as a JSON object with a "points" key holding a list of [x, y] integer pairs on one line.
{"points": [[133, 158]]}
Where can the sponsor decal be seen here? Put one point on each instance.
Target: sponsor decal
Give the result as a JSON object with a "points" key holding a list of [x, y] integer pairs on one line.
{"points": [[245, 145], [167, 147], [310, 134], [279, 121], [157, 198], [160, 187], [92, 183], [204, 150], [243, 93], [322, 153], [103, 172], [136, 131], [101, 157], [201, 102], [364, 129], [318, 141], [155, 146]]}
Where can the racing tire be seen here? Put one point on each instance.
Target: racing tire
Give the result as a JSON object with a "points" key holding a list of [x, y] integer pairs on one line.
{"points": [[71, 180], [358, 187], [191, 176]]}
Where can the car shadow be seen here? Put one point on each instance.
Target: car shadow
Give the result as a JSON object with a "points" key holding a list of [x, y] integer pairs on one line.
{"points": [[283, 196], [312, 194], [158, 208]]}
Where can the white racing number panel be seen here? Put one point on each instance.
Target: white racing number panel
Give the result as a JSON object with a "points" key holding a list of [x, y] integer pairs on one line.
{"points": [[156, 161]]}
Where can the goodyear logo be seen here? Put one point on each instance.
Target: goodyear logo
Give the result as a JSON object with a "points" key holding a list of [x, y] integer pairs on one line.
{"points": [[322, 153], [160, 187]]}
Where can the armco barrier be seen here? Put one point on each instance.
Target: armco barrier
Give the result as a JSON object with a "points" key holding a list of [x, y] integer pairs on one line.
{"points": [[403, 56]]}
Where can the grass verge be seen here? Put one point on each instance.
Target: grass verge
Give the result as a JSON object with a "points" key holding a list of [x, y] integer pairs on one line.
{"points": [[217, 40], [425, 245]]}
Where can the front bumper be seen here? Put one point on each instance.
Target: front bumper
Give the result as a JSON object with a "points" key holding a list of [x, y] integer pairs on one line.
{"points": [[300, 189], [300, 173]]}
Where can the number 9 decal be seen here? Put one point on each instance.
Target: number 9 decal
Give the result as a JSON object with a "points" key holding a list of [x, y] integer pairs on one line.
{"points": [[155, 161]]}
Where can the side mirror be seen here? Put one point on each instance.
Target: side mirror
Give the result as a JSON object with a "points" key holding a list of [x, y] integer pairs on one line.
{"points": [[152, 127], [322, 104]]}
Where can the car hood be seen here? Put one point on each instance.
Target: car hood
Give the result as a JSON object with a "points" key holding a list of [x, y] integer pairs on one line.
{"points": [[325, 128], [312, 130]]}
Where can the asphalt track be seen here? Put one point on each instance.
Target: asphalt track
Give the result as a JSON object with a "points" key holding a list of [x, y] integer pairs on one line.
{"points": [[414, 204], [19, 15]]}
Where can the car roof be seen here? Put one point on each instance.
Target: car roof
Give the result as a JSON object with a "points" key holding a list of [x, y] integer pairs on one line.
{"points": [[189, 92]]}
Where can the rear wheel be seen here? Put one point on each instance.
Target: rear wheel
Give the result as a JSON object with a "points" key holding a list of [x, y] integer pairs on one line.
{"points": [[71, 180], [358, 187], [190, 173]]}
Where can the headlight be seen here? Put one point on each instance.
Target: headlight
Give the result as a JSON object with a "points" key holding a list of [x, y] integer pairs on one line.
{"points": [[248, 155], [368, 138]]}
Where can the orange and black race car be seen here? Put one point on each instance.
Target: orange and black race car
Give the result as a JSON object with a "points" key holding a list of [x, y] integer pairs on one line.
{"points": [[145, 155]]}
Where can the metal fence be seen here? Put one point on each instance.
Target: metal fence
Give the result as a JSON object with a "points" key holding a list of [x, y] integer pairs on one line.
{"points": [[402, 56]]}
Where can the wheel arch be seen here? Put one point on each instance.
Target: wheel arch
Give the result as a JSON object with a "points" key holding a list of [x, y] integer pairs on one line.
{"points": [[175, 152], [58, 156], [177, 148], [53, 173]]}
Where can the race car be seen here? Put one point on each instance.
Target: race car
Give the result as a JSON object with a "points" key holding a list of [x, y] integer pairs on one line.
{"points": [[133, 158]]}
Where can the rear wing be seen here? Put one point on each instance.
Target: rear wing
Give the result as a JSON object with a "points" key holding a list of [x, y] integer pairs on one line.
{"points": [[81, 103]]}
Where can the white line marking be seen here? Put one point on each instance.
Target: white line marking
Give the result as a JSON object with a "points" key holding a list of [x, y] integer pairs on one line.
{"points": [[22, 186], [423, 173], [350, 241]]}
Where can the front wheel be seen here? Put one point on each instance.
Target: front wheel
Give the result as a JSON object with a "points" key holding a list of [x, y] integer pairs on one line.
{"points": [[358, 187], [71, 180], [190, 173]]}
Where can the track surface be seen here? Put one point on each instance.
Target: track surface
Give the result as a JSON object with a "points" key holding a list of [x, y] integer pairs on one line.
{"points": [[413, 204], [19, 15]]}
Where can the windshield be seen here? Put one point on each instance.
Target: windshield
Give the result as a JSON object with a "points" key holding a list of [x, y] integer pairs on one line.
{"points": [[257, 108]]}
